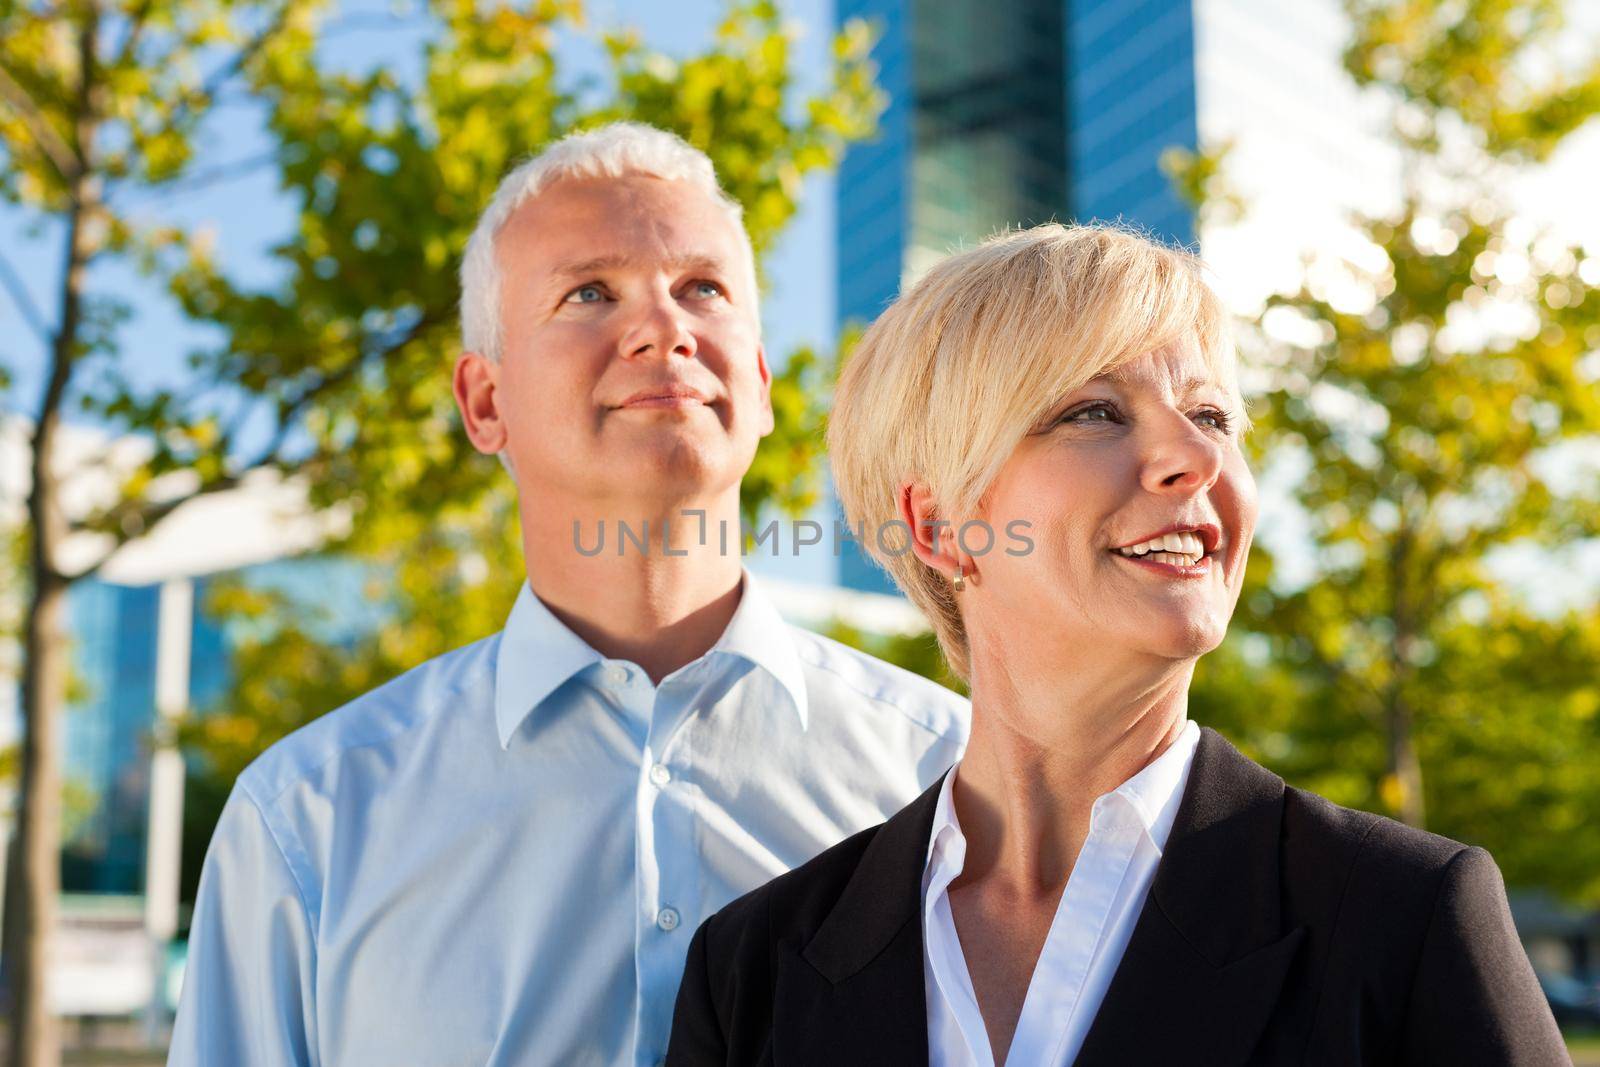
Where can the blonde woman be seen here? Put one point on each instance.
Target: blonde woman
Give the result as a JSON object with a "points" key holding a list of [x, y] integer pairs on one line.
{"points": [[1041, 442]]}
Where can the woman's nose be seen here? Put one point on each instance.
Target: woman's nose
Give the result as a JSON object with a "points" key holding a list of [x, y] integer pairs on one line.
{"points": [[1182, 458]]}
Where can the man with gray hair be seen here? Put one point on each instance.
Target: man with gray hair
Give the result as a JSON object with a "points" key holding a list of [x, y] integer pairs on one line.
{"points": [[499, 857]]}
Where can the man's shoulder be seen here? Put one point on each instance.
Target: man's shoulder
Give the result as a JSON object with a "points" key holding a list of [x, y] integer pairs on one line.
{"points": [[934, 707], [380, 718]]}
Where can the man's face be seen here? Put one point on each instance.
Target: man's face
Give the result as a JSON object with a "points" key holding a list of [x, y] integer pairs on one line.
{"points": [[632, 369]]}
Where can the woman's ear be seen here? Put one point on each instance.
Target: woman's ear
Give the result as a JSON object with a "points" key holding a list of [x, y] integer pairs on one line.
{"points": [[932, 539]]}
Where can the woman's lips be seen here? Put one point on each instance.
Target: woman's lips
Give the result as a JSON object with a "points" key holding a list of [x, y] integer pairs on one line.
{"points": [[1199, 569]]}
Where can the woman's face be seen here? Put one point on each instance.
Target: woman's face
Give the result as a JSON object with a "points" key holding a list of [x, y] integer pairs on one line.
{"points": [[1126, 458]]}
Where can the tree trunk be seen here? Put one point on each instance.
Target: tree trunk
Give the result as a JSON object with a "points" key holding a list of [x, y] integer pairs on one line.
{"points": [[34, 881], [1405, 770], [1404, 779], [34, 877]]}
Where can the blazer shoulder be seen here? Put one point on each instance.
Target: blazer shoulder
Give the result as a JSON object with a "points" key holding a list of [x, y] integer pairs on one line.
{"points": [[1373, 880], [1386, 846], [793, 905]]}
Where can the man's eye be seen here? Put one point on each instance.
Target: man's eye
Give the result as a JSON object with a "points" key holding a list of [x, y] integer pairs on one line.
{"points": [[706, 290], [585, 294]]}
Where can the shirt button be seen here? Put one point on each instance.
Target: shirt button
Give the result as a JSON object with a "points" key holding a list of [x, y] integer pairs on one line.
{"points": [[615, 674], [660, 775], [667, 919]]}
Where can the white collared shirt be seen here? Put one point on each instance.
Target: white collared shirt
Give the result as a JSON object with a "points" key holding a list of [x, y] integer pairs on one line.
{"points": [[1105, 892], [500, 857]]}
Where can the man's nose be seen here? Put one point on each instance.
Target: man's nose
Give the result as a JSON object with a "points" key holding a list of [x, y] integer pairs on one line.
{"points": [[661, 329], [1182, 458]]}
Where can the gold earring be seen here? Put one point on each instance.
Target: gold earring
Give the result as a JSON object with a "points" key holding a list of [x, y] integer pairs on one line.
{"points": [[959, 581]]}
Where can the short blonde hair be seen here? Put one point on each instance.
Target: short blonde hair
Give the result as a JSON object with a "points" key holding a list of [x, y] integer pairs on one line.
{"points": [[948, 380]]}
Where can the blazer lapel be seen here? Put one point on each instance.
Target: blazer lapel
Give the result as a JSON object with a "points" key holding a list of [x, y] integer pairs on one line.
{"points": [[854, 993], [1208, 956]]}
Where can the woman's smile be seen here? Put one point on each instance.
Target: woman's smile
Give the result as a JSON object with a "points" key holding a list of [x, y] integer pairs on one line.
{"points": [[1169, 564]]}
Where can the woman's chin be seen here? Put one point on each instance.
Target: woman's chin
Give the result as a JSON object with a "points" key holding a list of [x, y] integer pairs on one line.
{"points": [[1186, 636]]}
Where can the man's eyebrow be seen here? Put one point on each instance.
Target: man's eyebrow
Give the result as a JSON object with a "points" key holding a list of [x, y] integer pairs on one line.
{"points": [[605, 264]]}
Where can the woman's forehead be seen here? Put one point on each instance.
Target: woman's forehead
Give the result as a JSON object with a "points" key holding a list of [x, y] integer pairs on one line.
{"points": [[1180, 368]]}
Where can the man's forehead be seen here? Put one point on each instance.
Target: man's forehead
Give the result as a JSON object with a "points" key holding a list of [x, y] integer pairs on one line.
{"points": [[674, 262], [584, 225], [633, 200]]}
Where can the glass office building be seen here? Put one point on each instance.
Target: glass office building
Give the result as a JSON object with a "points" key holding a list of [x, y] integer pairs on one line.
{"points": [[106, 764], [1008, 114], [112, 709]]}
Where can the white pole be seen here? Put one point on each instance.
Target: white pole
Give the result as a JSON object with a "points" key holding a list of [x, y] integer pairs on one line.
{"points": [[164, 837]]}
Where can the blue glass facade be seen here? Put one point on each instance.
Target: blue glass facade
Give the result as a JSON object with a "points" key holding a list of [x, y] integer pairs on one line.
{"points": [[106, 766], [1130, 97], [1008, 115], [107, 756], [874, 211]]}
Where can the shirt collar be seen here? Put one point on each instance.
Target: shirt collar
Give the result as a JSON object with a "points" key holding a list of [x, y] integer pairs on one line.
{"points": [[1154, 794], [538, 653], [536, 657], [759, 635]]}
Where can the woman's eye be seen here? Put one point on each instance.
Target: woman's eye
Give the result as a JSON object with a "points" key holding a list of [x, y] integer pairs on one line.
{"points": [[585, 294], [1084, 414], [1221, 419]]}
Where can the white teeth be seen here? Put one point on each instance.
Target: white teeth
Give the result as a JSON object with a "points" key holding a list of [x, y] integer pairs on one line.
{"points": [[1187, 544]]}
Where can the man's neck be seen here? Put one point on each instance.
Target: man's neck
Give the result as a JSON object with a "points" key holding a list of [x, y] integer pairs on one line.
{"points": [[631, 593]]}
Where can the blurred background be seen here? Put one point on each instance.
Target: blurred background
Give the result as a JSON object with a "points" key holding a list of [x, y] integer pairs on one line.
{"points": [[234, 493]]}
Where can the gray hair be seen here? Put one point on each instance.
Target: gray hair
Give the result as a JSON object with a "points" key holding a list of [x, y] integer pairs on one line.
{"points": [[610, 151]]}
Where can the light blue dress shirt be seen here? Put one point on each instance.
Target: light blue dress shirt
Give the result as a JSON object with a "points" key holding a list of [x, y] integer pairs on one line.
{"points": [[499, 857]]}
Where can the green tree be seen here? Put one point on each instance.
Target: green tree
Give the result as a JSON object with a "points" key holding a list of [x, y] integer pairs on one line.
{"points": [[97, 100], [345, 359], [1434, 392]]}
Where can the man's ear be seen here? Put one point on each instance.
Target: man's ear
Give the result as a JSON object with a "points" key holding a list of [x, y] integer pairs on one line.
{"points": [[766, 389], [476, 384], [932, 538]]}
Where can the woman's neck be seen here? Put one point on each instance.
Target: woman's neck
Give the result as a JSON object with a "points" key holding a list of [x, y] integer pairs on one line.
{"points": [[1038, 760]]}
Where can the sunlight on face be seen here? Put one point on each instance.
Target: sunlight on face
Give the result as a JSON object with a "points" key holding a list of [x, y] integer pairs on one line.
{"points": [[632, 364], [1125, 457]]}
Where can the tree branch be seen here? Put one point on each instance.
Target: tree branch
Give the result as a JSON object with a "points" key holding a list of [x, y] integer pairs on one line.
{"points": [[60, 154], [221, 173], [130, 519], [136, 24], [25, 305], [221, 76]]}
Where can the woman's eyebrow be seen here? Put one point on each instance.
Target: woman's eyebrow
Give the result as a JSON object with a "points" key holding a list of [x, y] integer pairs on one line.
{"points": [[1185, 386]]}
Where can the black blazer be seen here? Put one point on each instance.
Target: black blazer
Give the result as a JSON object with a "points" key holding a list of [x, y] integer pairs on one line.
{"points": [[1279, 928]]}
